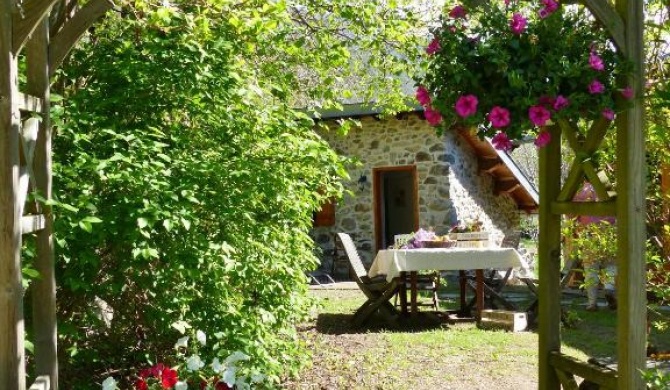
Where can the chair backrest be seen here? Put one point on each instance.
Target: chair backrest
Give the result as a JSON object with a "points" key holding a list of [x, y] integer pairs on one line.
{"points": [[352, 253], [401, 239]]}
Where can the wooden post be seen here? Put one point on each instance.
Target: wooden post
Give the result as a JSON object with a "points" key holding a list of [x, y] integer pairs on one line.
{"points": [[632, 313], [549, 251], [12, 370], [43, 288]]}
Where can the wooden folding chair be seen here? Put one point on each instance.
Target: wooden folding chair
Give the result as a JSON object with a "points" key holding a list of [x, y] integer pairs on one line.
{"points": [[377, 290]]}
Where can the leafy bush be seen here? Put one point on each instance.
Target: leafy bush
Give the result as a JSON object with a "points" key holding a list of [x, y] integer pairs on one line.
{"points": [[190, 188]]}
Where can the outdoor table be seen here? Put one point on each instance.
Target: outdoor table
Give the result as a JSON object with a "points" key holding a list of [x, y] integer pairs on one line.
{"points": [[395, 263]]}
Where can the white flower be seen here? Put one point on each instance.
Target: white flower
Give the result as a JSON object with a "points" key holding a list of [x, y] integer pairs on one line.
{"points": [[194, 363], [182, 342], [236, 357], [180, 386], [202, 337], [229, 376], [217, 366], [257, 377], [109, 384]]}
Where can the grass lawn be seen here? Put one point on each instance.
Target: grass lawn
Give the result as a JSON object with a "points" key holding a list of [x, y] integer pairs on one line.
{"points": [[425, 353]]}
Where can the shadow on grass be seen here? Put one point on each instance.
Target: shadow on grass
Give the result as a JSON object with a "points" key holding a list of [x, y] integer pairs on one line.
{"points": [[339, 323]]}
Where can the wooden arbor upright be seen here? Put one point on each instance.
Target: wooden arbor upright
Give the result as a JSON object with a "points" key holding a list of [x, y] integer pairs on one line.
{"points": [[42, 32], [624, 22]]}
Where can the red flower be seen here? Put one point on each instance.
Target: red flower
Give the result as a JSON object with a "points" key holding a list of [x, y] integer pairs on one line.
{"points": [[499, 117], [432, 116], [141, 384], [542, 139], [146, 373], [157, 369], [169, 378], [501, 142], [458, 12], [433, 46], [539, 115], [221, 386]]}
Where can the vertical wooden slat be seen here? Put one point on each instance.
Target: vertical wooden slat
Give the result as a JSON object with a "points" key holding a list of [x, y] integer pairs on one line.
{"points": [[631, 313], [12, 370], [549, 250], [43, 288]]}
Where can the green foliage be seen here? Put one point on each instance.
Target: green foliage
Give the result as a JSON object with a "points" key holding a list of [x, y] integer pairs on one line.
{"points": [[186, 179], [546, 58]]}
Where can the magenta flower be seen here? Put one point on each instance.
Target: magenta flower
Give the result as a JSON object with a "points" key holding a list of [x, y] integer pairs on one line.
{"points": [[608, 114], [507, 3], [466, 105], [433, 47], [518, 23], [422, 96], [458, 12], [539, 115], [596, 87], [499, 117], [550, 6], [596, 62], [627, 93], [432, 116], [561, 102], [542, 139], [501, 142]]}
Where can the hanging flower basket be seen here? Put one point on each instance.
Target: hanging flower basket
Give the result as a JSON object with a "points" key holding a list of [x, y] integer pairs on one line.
{"points": [[510, 68]]}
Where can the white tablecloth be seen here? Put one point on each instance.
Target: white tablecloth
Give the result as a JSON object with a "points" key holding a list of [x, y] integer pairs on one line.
{"points": [[393, 261]]}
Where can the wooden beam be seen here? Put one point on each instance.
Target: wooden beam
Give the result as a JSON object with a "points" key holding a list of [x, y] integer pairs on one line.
{"points": [[549, 253], [12, 354], [631, 209], [27, 15], [596, 209], [73, 29], [32, 223], [506, 186], [30, 103], [603, 11], [43, 288], [567, 380], [489, 165], [596, 374]]}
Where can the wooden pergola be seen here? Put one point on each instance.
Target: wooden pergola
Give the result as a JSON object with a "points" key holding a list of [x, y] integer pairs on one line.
{"points": [[46, 30]]}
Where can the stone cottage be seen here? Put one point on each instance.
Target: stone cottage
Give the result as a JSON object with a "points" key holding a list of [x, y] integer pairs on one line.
{"points": [[411, 178]]}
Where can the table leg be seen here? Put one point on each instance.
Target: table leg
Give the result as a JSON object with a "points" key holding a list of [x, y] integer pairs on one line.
{"points": [[414, 292], [480, 292], [462, 281], [403, 293]]}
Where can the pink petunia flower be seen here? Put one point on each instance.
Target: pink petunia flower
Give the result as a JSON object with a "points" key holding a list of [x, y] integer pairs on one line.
{"points": [[627, 93], [466, 105], [550, 5], [595, 62], [608, 114], [433, 47], [596, 87], [518, 23], [501, 142], [458, 12], [542, 139], [539, 115], [499, 117], [506, 3], [432, 116], [422, 96], [561, 102]]}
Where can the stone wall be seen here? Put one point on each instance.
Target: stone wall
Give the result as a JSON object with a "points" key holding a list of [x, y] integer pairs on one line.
{"points": [[450, 187]]}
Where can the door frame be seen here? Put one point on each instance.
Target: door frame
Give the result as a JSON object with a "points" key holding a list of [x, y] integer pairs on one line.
{"points": [[377, 203]]}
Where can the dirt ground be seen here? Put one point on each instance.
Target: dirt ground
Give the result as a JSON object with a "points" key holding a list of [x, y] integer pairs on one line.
{"points": [[423, 355]]}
